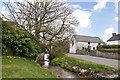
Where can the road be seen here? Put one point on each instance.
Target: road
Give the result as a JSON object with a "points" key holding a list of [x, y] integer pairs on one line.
{"points": [[104, 61]]}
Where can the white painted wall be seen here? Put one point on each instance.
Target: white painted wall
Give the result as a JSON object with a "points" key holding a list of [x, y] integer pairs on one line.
{"points": [[72, 48], [93, 45], [80, 45], [113, 42]]}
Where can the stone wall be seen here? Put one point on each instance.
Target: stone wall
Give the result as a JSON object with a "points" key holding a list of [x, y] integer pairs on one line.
{"points": [[82, 52], [105, 54]]}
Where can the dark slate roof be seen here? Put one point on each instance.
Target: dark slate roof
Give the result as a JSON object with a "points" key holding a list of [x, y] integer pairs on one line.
{"points": [[114, 38], [81, 38]]}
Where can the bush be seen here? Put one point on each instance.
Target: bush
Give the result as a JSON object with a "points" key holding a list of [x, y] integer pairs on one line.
{"points": [[4, 49], [108, 48], [20, 41]]}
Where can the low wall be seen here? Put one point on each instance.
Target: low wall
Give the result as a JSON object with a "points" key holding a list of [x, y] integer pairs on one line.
{"points": [[105, 54], [82, 52]]}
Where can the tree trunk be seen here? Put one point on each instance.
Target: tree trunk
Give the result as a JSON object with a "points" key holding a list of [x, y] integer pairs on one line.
{"points": [[40, 57]]}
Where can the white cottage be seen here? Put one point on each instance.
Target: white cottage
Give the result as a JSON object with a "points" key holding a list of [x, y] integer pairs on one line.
{"points": [[114, 40], [81, 42]]}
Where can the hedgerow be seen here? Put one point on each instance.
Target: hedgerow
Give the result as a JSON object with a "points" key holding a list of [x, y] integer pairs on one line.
{"points": [[108, 48]]}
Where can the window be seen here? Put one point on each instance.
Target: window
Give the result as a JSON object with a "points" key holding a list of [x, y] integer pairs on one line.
{"points": [[99, 43], [83, 48], [93, 48], [88, 42]]}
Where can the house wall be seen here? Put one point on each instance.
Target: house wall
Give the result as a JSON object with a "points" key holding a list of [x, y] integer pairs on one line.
{"points": [[113, 42], [93, 45], [80, 45], [72, 48]]}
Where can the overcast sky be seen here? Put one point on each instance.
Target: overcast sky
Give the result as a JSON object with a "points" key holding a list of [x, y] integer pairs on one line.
{"points": [[97, 17]]}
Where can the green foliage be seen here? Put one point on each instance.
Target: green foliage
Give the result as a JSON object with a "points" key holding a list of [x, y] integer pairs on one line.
{"points": [[59, 47], [108, 48], [70, 62], [17, 67], [4, 49], [20, 41]]}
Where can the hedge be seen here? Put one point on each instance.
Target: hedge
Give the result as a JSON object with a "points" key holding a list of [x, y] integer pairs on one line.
{"points": [[20, 41], [108, 48]]}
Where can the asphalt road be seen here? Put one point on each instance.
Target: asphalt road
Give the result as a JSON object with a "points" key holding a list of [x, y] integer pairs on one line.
{"points": [[104, 61]]}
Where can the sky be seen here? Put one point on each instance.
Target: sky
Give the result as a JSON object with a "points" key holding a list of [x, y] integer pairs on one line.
{"points": [[96, 17]]}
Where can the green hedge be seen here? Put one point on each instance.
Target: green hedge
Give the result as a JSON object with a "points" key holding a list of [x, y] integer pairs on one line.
{"points": [[108, 48], [4, 49], [20, 41]]}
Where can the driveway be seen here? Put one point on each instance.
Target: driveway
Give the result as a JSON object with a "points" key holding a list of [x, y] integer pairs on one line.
{"points": [[104, 61]]}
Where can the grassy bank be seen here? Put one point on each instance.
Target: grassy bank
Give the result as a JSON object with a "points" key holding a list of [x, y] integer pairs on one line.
{"points": [[16, 67], [80, 66]]}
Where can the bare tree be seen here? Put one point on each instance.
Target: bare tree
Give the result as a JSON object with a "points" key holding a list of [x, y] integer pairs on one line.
{"points": [[48, 20]]}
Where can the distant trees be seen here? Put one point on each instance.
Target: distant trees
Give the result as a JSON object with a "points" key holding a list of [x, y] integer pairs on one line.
{"points": [[49, 20]]}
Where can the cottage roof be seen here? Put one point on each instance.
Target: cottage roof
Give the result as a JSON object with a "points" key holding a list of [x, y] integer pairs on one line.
{"points": [[114, 38], [81, 38]]}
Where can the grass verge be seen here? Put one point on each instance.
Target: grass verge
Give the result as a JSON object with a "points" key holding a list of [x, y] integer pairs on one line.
{"points": [[80, 66], [16, 67]]}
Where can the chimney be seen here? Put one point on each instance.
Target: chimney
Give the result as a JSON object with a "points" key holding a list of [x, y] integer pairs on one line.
{"points": [[113, 34]]}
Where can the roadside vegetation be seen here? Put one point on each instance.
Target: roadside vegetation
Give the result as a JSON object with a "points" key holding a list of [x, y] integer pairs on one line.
{"points": [[82, 67], [108, 48], [18, 67]]}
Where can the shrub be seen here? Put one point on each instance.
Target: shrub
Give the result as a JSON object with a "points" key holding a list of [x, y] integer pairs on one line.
{"points": [[20, 41], [4, 50], [108, 48]]}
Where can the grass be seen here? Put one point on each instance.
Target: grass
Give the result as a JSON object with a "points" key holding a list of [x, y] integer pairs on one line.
{"points": [[16, 67], [75, 65]]}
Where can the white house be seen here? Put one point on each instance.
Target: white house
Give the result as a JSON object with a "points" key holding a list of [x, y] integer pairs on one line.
{"points": [[114, 40], [81, 42]]}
